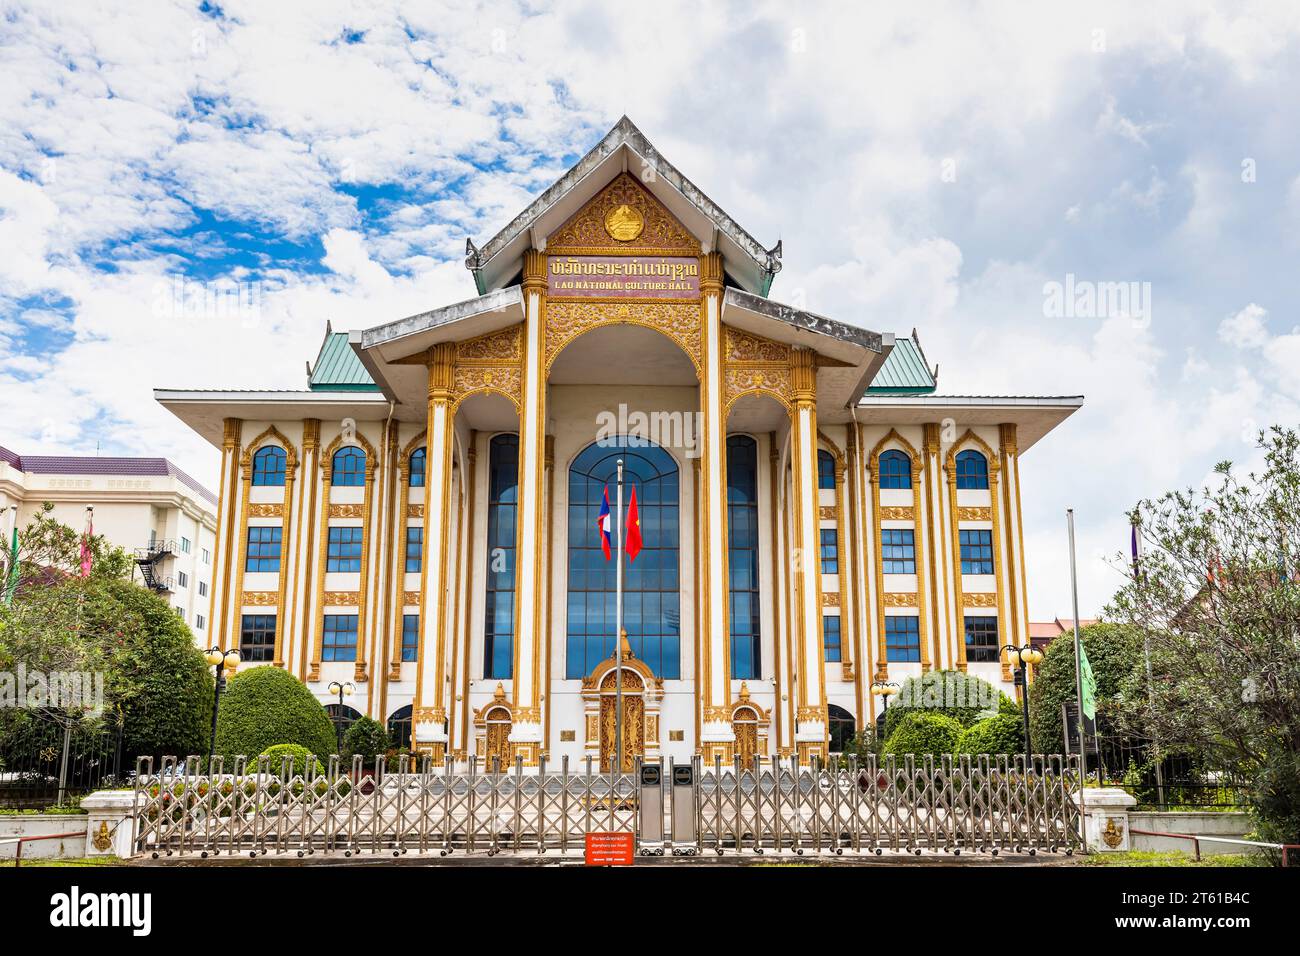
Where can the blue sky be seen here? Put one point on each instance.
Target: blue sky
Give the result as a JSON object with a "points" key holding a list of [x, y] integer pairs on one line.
{"points": [[933, 168]]}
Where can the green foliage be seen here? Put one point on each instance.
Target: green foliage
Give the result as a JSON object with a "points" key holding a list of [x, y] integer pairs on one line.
{"points": [[366, 738], [1115, 653], [264, 706], [1001, 734], [923, 733], [300, 756], [956, 694]]}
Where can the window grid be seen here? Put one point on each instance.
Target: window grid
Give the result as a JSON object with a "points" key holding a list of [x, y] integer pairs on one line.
{"points": [[895, 470], [257, 638], [414, 548], [410, 637], [976, 551], [830, 551], [902, 638], [344, 550], [742, 557], [269, 466], [825, 471], [972, 470], [982, 639], [417, 469], [348, 468], [262, 549], [831, 637], [898, 550], [499, 616], [339, 638]]}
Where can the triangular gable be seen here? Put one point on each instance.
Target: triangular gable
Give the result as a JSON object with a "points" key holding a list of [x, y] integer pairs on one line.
{"points": [[622, 218]]}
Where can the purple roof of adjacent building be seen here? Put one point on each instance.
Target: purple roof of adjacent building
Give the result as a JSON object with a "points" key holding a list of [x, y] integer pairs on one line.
{"points": [[88, 465]]}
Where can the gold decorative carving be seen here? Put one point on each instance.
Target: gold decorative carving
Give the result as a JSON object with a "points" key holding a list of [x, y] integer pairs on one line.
{"points": [[900, 599], [415, 511], [506, 379], [411, 598], [266, 510], [607, 224], [346, 511], [830, 599], [743, 348], [568, 736], [102, 840], [342, 598], [897, 513], [506, 345], [827, 513], [680, 321], [743, 380], [259, 598], [974, 514], [755, 365], [1113, 835], [980, 599]]}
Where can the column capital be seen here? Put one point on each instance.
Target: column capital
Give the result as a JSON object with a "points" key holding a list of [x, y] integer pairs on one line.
{"points": [[310, 434], [534, 271], [803, 375], [930, 438], [231, 428], [1007, 437], [711, 274], [442, 361]]}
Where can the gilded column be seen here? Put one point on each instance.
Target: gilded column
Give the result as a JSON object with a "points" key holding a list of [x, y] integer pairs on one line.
{"points": [[225, 544], [853, 452], [302, 598], [1003, 599], [471, 491], [287, 542], [526, 730], [1015, 532], [810, 732], [546, 652], [317, 609], [368, 526], [920, 531], [940, 619], [717, 736], [848, 632], [773, 471], [429, 714], [390, 611], [954, 552], [398, 580], [244, 471]]}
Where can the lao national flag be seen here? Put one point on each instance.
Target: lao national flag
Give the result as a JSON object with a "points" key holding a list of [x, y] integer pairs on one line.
{"points": [[633, 529], [602, 523]]}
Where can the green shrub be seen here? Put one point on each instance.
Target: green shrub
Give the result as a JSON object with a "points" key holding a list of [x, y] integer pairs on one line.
{"points": [[366, 738], [265, 706], [956, 694], [300, 756], [1001, 734], [924, 733], [1114, 652]]}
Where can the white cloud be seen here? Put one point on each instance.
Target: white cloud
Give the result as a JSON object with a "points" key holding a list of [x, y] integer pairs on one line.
{"points": [[1245, 329]]}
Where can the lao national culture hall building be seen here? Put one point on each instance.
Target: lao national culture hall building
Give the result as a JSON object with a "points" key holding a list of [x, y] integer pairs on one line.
{"points": [[420, 520]]}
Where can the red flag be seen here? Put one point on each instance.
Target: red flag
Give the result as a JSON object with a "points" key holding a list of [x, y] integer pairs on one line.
{"points": [[633, 528]]}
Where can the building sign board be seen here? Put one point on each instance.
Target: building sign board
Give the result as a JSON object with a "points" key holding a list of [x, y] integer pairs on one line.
{"points": [[623, 277]]}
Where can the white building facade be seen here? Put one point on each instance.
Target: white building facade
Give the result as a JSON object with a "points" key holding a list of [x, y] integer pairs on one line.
{"points": [[420, 522]]}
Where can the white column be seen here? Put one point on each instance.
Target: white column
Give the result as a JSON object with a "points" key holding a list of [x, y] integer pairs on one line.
{"points": [[810, 735]]}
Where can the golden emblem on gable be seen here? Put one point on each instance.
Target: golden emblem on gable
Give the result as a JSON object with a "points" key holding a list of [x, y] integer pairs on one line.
{"points": [[624, 223]]}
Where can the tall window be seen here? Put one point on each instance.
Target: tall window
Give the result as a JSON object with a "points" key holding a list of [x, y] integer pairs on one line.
{"points": [[831, 637], [830, 551], [257, 637], [268, 466], [825, 470], [840, 727], [344, 550], [902, 638], [262, 551], [348, 467], [972, 470], [417, 463], [895, 469], [414, 548], [339, 642], [503, 506], [651, 590], [982, 639], [897, 550], [742, 556], [976, 551], [399, 727], [410, 637]]}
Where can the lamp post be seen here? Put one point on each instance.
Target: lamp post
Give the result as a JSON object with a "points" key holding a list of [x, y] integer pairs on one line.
{"points": [[883, 689], [343, 690], [1021, 658], [225, 663]]}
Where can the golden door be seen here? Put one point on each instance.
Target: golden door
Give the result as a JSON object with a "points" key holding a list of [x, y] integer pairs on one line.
{"points": [[497, 745], [746, 741], [633, 730]]}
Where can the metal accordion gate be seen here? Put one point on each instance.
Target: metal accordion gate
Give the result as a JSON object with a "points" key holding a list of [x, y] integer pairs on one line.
{"points": [[977, 805]]}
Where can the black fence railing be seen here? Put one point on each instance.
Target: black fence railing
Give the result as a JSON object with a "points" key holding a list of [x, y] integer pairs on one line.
{"points": [[1172, 781], [35, 774]]}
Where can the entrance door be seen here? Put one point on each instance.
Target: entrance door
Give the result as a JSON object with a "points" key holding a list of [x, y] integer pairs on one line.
{"points": [[633, 721]]}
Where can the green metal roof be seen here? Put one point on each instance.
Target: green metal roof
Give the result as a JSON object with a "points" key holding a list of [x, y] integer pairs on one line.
{"points": [[338, 369], [904, 372]]}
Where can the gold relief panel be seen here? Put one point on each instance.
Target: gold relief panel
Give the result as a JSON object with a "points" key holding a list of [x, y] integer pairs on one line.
{"points": [[974, 514], [623, 216], [411, 598], [742, 348], [593, 729], [504, 346], [341, 599], [830, 599], [827, 513], [652, 728], [346, 511], [680, 321], [897, 513], [266, 510], [259, 598], [507, 379], [739, 380], [415, 511], [900, 599], [980, 599]]}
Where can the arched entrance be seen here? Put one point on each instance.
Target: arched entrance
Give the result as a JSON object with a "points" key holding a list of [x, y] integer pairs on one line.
{"points": [[492, 724], [840, 727], [749, 724]]}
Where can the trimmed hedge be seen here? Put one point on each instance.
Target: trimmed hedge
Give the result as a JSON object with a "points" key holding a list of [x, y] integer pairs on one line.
{"points": [[1002, 734], [276, 753], [925, 733], [265, 706], [937, 692]]}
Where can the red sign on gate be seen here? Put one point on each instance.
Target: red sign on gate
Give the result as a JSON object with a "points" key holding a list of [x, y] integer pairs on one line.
{"points": [[609, 849]]}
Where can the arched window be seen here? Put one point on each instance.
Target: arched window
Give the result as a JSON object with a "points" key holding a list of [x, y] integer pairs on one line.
{"points": [[651, 589], [825, 470], [416, 470], [742, 555], [399, 728], [841, 727], [348, 467], [342, 717], [503, 506], [972, 470], [895, 470], [268, 466]]}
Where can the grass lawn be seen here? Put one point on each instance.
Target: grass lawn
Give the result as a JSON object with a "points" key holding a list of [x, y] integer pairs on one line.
{"points": [[79, 861], [1171, 858]]}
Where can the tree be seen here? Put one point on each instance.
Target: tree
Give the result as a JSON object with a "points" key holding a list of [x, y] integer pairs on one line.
{"points": [[997, 735], [957, 694], [1217, 596], [264, 706], [366, 738], [922, 733]]}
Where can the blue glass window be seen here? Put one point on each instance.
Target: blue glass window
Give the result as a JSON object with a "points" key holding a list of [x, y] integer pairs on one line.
{"points": [[651, 589], [344, 550], [399, 727], [503, 506], [831, 637], [410, 637], [976, 551], [414, 548], [825, 470], [262, 552], [339, 641], [898, 550], [972, 470], [257, 637], [982, 639], [742, 556], [349, 467], [268, 466], [895, 469], [830, 551], [902, 638], [416, 469]]}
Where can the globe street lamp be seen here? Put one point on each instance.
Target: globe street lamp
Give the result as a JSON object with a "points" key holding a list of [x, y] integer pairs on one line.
{"points": [[225, 663], [1020, 658], [884, 690], [343, 690]]}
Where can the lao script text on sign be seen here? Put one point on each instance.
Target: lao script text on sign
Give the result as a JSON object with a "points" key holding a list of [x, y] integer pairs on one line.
{"points": [[623, 277]]}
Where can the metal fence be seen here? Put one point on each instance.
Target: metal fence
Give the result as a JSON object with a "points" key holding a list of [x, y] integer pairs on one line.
{"points": [[1171, 781], [49, 764], [971, 804]]}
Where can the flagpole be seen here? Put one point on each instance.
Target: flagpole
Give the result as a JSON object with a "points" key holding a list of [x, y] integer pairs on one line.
{"points": [[618, 629], [1078, 674]]}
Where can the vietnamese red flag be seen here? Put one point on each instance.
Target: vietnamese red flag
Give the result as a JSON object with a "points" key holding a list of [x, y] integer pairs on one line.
{"points": [[633, 528]]}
